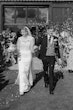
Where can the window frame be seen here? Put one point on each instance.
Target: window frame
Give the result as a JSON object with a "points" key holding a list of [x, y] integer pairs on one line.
{"points": [[6, 6], [27, 24]]}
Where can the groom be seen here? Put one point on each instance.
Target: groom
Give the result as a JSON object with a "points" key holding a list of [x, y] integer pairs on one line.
{"points": [[49, 48]]}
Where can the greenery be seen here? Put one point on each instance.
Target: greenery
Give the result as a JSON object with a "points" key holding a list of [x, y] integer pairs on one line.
{"points": [[8, 39]]}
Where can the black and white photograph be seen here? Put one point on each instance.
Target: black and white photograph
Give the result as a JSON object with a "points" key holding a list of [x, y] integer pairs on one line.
{"points": [[36, 55]]}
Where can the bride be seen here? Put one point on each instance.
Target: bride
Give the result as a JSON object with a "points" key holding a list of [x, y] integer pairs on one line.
{"points": [[25, 47]]}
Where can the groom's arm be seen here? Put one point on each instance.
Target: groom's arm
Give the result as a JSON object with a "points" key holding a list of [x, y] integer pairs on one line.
{"points": [[39, 41]]}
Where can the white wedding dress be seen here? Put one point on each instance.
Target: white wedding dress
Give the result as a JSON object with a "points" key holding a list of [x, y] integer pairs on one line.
{"points": [[25, 79]]}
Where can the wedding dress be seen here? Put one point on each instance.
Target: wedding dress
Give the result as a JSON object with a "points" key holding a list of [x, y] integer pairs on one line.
{"points": [[25, 79]]}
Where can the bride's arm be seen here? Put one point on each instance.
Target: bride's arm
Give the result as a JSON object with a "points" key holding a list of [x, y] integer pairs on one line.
{"points": [[32, 45]]}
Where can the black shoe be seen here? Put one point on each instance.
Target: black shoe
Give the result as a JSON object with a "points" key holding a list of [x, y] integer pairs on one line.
{"points": [[70, 71], [51, 92], [46, 85]]}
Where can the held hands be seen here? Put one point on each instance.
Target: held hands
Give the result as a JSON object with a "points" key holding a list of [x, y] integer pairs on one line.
{"points": [[36, 49]]}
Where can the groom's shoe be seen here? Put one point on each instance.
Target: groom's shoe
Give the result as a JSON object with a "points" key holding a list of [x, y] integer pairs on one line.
{"points": [[70, 71], [46, 85], [52, 92]]}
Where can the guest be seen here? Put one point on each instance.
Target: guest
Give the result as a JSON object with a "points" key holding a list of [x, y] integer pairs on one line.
{"points": [[70, 58], [25, 45]]}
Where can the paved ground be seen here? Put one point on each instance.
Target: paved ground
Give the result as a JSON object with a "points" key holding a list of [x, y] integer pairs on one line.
{"points": [[38, 98]]}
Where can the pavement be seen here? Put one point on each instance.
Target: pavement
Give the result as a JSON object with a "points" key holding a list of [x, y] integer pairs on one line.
{"points": [[38, 98]]}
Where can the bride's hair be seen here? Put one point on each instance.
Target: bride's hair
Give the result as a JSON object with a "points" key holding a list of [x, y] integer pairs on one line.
{"points": [[27, 30]]}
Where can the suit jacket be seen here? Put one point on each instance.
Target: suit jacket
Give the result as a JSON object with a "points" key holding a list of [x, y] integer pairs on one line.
{"points": [[43, 48]]}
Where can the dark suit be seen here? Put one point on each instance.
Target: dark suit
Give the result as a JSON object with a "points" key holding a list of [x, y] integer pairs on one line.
{"points": [[48, 61]]}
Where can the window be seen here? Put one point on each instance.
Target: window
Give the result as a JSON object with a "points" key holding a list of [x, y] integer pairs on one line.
{"points": [[9, 15], [22, 15], [15, 17], [43, 15], [31, 15], [61, 13]]}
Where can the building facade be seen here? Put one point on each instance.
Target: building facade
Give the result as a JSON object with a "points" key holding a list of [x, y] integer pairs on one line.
{"points": [[15, 14]]}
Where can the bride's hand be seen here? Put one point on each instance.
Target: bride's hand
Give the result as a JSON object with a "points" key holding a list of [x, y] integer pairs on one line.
{"points": [[36, 48]]}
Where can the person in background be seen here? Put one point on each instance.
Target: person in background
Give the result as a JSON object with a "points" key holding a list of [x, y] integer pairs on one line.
{"points": [[70, 55]]}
